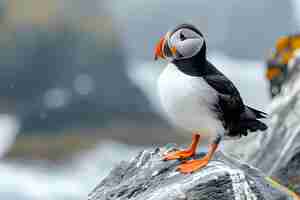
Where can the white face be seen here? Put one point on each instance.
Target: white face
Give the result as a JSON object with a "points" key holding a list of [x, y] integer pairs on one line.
{"points": [[186, 41]]}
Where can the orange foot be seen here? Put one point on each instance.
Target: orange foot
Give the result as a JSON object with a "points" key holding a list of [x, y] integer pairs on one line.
{"points": [[179, 155], [184, 153], [192, 165]]}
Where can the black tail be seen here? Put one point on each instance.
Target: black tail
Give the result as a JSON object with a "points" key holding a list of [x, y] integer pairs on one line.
{"points": [[254, 125], [249, 120], [258, 114]]}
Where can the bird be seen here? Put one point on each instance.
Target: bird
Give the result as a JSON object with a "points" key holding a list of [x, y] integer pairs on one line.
{"points": [[199, 98]]}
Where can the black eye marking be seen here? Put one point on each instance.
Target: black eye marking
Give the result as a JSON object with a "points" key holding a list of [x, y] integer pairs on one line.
{"points": [[182, 37]]}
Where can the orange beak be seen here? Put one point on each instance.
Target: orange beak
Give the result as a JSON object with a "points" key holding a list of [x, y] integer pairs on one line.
{"points": [[159, 49]]}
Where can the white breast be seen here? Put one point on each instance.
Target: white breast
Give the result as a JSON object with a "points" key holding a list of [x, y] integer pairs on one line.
{"points": [[189, 101]]}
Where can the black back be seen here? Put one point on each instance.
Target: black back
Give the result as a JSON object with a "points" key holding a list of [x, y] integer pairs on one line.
{"points": [[230, 108]]}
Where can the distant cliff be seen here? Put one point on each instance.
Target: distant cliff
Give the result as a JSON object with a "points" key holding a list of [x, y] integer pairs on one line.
{"points": [[63, 67]]}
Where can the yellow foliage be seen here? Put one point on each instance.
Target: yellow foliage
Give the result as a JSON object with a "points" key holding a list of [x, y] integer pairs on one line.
{"points": [[272, 72], [286, 46]]}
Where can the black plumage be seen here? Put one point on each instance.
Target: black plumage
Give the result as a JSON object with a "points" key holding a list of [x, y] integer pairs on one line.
{"points": [[237, 118], [197, 97]]}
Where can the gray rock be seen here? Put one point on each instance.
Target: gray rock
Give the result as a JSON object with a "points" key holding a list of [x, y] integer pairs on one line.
{"points": [[290, 174], [277, 151], [148, 177]]}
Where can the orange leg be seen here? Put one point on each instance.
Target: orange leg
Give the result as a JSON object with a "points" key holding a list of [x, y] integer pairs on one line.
{"points": [[193, 165], [184, 153]]}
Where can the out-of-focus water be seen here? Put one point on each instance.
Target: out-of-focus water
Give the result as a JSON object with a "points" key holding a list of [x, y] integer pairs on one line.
{"points": [[74, 180]]}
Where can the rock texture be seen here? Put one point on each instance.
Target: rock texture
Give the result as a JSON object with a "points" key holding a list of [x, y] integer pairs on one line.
{"points": [[225, 178], [277, 151], [289, 175]]}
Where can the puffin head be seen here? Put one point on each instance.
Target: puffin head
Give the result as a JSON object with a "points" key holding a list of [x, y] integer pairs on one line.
{"points": [[183, 42]]}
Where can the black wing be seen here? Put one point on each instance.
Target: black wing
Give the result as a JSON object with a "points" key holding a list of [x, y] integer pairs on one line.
{"points": [[230, 104], [227, 92], [236, 117]]}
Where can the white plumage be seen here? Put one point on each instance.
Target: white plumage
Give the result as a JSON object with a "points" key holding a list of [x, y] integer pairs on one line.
{"points": [[189, 102]]}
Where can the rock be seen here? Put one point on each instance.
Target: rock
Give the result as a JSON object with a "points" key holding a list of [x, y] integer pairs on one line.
{"points": [[277, 151], [148, 177], [290, 174]]}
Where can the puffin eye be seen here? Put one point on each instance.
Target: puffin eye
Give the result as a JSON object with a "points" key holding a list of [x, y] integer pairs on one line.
{"points": [[182, 37]]}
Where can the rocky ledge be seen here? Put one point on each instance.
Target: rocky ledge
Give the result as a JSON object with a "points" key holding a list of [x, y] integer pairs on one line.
{"points": [[225, 178]]}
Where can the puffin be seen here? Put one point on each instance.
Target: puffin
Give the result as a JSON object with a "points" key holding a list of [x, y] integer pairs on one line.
{"points": [[199, 98]]}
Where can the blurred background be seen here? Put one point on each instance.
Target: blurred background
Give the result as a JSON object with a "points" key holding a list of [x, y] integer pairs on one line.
{"points": [[78, 81]]}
